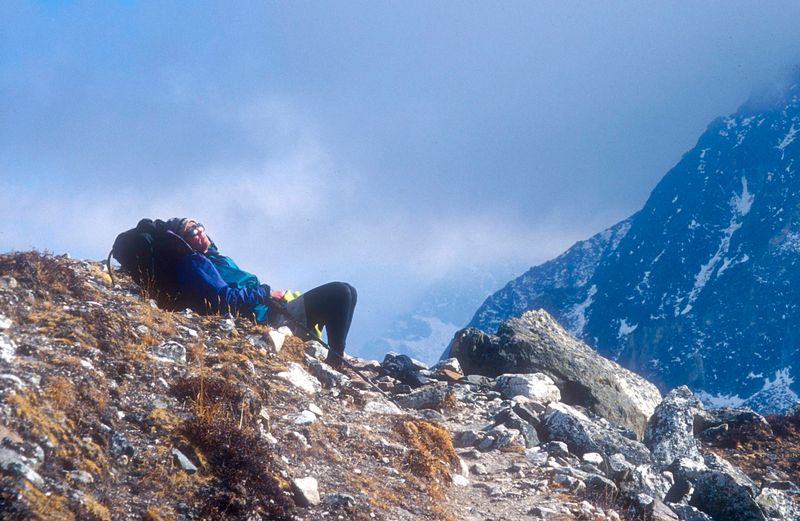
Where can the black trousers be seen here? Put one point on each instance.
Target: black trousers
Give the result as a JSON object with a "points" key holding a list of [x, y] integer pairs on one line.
{"points": [[331, 306]]}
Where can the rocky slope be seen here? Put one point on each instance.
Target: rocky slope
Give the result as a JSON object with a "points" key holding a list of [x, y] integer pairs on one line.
{"points": [[113, 409], [700, 287]]}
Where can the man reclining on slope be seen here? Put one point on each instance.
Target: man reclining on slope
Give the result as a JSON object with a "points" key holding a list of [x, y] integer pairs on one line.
{"points": [[210, 282]]}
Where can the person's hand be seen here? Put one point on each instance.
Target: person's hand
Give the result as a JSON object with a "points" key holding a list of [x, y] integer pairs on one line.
{"points": [[277, 293]]}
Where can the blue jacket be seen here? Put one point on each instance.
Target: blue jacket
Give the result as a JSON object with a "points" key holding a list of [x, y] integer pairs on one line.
{"points": [[203, 289]]}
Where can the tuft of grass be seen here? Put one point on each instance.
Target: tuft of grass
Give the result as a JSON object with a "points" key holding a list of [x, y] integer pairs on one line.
{"points": [[235, 453], [25, 501], [432, 456], [95, 509]]}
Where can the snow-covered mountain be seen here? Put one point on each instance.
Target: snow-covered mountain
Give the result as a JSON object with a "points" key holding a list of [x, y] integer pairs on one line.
{"points": [[702, 285]]}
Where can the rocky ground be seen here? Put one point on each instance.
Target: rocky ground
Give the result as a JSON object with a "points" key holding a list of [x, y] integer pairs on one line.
{"points": [[111, 408]]}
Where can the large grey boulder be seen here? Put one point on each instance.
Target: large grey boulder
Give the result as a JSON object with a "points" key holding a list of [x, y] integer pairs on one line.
{"points": [[535, 342], [583, 434], [720, 489], [669, 433]]}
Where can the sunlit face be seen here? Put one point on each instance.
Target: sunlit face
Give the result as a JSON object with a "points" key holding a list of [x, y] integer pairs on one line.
{"points": [[195, 236]]}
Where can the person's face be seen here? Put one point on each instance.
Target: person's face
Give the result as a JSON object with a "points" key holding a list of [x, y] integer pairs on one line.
{"points": [[196, 237]]}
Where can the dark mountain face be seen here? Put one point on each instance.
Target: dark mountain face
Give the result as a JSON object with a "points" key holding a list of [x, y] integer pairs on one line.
{"points": [[701, 286]]}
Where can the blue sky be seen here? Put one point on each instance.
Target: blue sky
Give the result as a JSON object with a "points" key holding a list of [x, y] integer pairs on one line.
{"points": [[384, 143]]}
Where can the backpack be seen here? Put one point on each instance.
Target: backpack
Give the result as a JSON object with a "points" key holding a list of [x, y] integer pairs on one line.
{"points": [[149, 253]]}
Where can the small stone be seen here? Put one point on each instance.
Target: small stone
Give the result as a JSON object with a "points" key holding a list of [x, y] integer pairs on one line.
{"points": [[7, 349], [556, 448], [486, 444], [302, 418], [305, 491], [191, 332], [285, 331], [169, 351], [18, 383], [8, 282], [542, 512], [142, 329], [5, 322], [337, 501], [300, 438], [536, 456], [315, 349], [593, 458], [538, 387], [315, 409], [184, 462], [460, 481], [451, 364], [277, 339], [256, 340], [17, 465], [382, 408], [479, 469], [81, 476], [298, 377], [227, 325]]}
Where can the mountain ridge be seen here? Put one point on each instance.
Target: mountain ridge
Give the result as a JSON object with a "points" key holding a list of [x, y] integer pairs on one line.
{"points": [[701, 288]]}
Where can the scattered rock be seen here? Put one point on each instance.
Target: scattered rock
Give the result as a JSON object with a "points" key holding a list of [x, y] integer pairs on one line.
{"points": [[7, 349], [276, 339], [538, 386], [184, 462], [19, 466], [305, 491], [593, 458], [338, 501], [302, 418], [81, 476], [450, 364], [298, 377], [8, 282], [428, 397], [582, 434], [326, 375], [169, 351], [227, 324], [669, 433], [535, 342], [5, 322], [382, 408], [315, 349]]}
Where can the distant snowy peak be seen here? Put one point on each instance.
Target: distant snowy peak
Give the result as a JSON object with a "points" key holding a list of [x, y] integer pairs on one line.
{"points": [[701, 286]]}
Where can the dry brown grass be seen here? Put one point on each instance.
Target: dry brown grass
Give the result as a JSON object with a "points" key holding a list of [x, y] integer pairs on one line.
{"points": [[95, 509], [59, 391], [49, 280]]}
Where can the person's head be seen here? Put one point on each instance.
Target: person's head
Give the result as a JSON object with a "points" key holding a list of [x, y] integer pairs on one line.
{"points": [[194, 233]]}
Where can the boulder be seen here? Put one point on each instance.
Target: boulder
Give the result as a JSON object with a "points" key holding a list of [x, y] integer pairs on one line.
{"points": [[720, 490], [777, 504], [669, 431], [538, 387], [535, 343], [583, 434], [689, 513], [306, 492], [428, 397]]}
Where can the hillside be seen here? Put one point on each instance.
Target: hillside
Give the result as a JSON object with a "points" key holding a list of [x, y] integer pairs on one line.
{"points": [[111, 408]]}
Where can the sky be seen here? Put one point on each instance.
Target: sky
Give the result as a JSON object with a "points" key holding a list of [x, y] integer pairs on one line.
{"points": [[388, 144]]}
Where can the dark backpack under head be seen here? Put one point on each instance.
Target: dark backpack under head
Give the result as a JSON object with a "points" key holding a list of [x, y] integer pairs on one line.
{"points": [[150, 253]]}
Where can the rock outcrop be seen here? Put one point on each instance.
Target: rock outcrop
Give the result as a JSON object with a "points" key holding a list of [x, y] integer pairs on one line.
{"points": [[535, 343]]}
